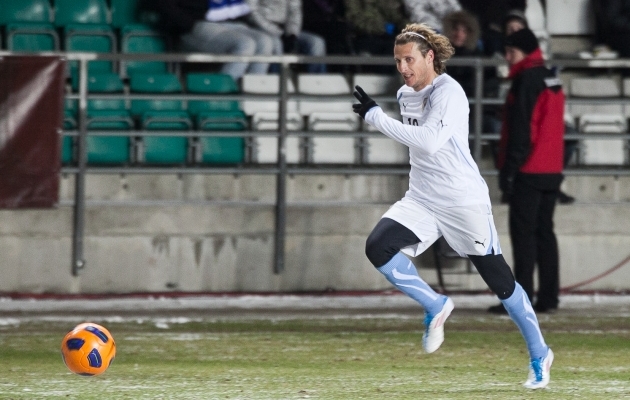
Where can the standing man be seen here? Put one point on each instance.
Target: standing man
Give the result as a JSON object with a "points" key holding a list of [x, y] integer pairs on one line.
{"points": [[531, 158], [447, 195]]}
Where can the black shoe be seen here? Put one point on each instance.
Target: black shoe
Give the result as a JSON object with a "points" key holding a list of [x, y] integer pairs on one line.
{"points": [[498, 309], [544, 308], [564, 198]]}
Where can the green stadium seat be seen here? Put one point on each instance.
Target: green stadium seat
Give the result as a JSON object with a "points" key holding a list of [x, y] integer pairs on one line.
{"points": [[217, 115], [25, 11], [108, 114], [222, 150], [67, 149], [105, 114], [28, 25], [31, 37], [160, 114], [81, 12], [140, 38], [90, 38], [124, 12]]}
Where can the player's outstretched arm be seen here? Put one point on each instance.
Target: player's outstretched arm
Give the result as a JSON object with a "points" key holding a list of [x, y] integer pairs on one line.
{"points": [[365, 102]]}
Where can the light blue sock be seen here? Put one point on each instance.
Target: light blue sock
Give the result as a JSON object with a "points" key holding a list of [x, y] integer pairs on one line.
{"points": [[403, 274], [523, 315]]}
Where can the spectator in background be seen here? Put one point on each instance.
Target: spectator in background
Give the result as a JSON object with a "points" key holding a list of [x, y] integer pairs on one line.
{"points": [[515, 20], [462, 30], [530, 167], [612, 22], [327, 19], [282, 19], [373, 25], [431, 12], [215, 28], [491, 15]]}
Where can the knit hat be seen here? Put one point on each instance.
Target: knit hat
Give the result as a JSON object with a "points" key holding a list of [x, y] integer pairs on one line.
{"points": [[524, 40]]}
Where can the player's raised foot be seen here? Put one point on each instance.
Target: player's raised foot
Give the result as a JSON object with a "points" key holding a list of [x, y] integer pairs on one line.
{"points": [[539, 372], [434, 327]]}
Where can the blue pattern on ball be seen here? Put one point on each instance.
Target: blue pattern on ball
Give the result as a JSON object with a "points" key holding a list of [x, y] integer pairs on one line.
{"points": [[94, 359], [100, 334], [74, 343]]}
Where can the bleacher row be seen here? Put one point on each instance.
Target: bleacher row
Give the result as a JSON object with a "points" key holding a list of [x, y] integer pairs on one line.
{"points": [[111, 26], [160, 114]]}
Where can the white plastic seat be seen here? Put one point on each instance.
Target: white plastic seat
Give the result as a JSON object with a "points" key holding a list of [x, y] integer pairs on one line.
{"points": [[387, 151], [375, 84], [324, 85], [323, 121], [266, 147], [268, 121], [595, 88], [603, 151], [264, 84], [336, 150], [383, 150], [329, 115], [266, 150], [570, 17]]}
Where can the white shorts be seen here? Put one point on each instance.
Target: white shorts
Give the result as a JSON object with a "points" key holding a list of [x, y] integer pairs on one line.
{"points": [[467, 229]]}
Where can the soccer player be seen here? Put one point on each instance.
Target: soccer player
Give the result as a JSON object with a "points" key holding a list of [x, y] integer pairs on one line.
{"points": [[447, 195]]}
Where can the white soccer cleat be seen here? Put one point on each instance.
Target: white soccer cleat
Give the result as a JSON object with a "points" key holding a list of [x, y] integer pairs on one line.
{"points": [[539, 372], [434, 327]]}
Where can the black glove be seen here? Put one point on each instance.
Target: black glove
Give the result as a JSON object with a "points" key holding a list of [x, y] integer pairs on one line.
{"points": [[506, 184], [289, 44], [366, 102]]}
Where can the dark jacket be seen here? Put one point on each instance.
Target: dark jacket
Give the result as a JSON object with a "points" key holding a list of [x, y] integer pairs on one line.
{"points": [[532, 135], [613, 24], [176, 17]]}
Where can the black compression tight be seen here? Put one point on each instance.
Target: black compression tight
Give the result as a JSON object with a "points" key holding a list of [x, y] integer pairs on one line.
{"points": [[496, 273], [386, 240]]}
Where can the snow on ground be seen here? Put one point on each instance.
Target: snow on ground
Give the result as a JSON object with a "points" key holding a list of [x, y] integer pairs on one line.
{"points": [[325, 302]]}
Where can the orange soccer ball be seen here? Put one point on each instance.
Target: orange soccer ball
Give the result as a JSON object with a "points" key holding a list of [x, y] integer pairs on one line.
{"points": [[88, 349]]}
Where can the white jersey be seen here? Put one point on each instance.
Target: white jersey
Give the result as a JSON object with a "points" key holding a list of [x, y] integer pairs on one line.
{"points": [[435, 128]]}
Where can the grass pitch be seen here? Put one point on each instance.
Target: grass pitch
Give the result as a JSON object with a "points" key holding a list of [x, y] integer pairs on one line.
{"points": [[483, 357]]}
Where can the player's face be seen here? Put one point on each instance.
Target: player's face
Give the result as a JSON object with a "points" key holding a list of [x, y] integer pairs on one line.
{"points": [[416, 69], [513, 55]]}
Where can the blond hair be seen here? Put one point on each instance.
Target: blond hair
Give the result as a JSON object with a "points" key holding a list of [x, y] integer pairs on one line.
{"points": [[427, 39]]}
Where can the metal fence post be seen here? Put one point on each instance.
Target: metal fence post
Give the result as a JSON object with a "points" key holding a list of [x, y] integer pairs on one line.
{"points": [[281, 184], [78, 233]]}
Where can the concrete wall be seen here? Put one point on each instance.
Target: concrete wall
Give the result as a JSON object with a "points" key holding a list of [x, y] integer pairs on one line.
{"points": [[222, 248]]}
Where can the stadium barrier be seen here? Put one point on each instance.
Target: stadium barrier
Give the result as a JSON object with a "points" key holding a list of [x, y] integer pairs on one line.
{"points": [[281, 169]]}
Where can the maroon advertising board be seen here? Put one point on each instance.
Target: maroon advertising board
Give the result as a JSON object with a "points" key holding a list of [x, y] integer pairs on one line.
{"points": [[31, 117]]}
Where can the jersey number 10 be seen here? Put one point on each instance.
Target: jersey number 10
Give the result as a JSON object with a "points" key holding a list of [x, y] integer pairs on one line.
{"points": [[412, 121]]}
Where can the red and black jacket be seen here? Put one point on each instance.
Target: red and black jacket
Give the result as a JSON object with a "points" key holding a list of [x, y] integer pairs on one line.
{"points": [[532, 135]]}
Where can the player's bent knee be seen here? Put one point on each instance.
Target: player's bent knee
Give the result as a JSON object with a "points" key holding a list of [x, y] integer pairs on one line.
{"points": [[386, 240], [378, 251], [496, 273]]}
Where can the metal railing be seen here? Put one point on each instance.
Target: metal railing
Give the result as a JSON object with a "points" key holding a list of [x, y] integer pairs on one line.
{"points": [[281, 169]]}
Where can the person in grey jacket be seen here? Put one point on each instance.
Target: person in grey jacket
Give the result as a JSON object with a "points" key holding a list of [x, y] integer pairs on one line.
{"points": [[282, 19], [431, 12], [213, 28]]}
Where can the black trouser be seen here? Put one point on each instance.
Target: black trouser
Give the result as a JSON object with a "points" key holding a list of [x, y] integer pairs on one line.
{"points": [[388, 237], [534, 241]]}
